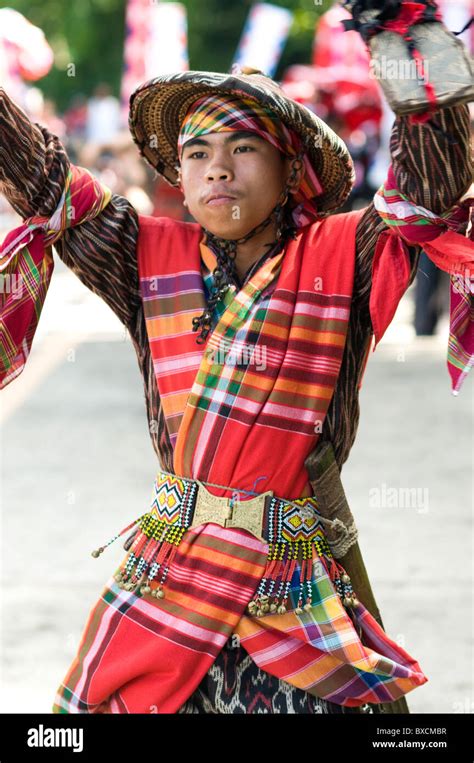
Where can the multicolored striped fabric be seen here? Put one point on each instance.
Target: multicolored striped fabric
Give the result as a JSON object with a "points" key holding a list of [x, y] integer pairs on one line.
{"points": [[217, 113], [269, 367], [322, 651], [26, 266], [235, 685], [331, 658], [448, 249], [141, 654]]}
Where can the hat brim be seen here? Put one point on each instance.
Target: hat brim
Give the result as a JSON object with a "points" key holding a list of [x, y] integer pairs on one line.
{"points": [[158, 108]]}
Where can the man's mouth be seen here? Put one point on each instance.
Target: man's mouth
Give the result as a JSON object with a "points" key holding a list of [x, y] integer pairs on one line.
{"points": [[216, 199]]}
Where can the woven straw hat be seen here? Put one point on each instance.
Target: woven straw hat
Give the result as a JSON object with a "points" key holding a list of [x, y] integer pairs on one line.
{"points": [[158, 107]]}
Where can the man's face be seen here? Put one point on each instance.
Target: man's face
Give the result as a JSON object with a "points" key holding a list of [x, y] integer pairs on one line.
{"points": [[244, 170]]}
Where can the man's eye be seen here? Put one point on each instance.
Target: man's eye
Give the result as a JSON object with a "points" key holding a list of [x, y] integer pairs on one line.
{"points": [[250, 148], [195, 153]]}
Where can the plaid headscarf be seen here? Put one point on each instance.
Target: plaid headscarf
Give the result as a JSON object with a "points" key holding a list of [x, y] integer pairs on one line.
{"points": [[215, 113]]}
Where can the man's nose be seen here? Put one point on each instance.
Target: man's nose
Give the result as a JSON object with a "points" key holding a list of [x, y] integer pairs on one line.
{"points": [[219, 170]]}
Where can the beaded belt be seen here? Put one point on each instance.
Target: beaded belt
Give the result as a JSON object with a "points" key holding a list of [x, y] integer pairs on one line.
{"points": [[292, 529]]}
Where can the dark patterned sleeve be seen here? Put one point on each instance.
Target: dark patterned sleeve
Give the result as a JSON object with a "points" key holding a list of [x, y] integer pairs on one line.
{"points": [[102, 251], [433, 167]]}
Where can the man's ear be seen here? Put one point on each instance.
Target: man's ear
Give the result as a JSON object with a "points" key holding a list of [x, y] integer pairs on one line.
{"points": [[180, 180], [298, 173]]}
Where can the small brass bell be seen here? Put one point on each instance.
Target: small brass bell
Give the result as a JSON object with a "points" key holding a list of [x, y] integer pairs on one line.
{"points": [[345, 578]]}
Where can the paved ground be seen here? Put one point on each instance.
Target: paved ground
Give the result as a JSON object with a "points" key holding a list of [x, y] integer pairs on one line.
{"points": [[77, 465]]}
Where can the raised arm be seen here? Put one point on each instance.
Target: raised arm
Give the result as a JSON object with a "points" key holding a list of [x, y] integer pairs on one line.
{"points": [[101, 251], [433, 167]]}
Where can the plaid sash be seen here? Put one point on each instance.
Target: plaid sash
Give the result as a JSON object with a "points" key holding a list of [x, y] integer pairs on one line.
{"points": [[446, 247], [249, 404], [26, 266]]}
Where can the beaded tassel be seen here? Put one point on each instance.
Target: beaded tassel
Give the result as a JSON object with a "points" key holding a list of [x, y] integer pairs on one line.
{"points": [[341, 581], [97, 552], [305, 578], [150, 558], [273, 592]]}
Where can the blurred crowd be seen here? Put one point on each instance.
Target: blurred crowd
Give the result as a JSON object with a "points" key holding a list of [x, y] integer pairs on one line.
{"points": [[94, 137]]}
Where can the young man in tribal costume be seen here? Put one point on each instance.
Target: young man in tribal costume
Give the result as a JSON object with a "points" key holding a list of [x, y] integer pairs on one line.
{"points": [[252, 328]]}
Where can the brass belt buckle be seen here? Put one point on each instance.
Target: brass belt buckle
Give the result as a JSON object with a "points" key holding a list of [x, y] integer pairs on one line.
{"points": [[246, 515], [210, 508]]}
